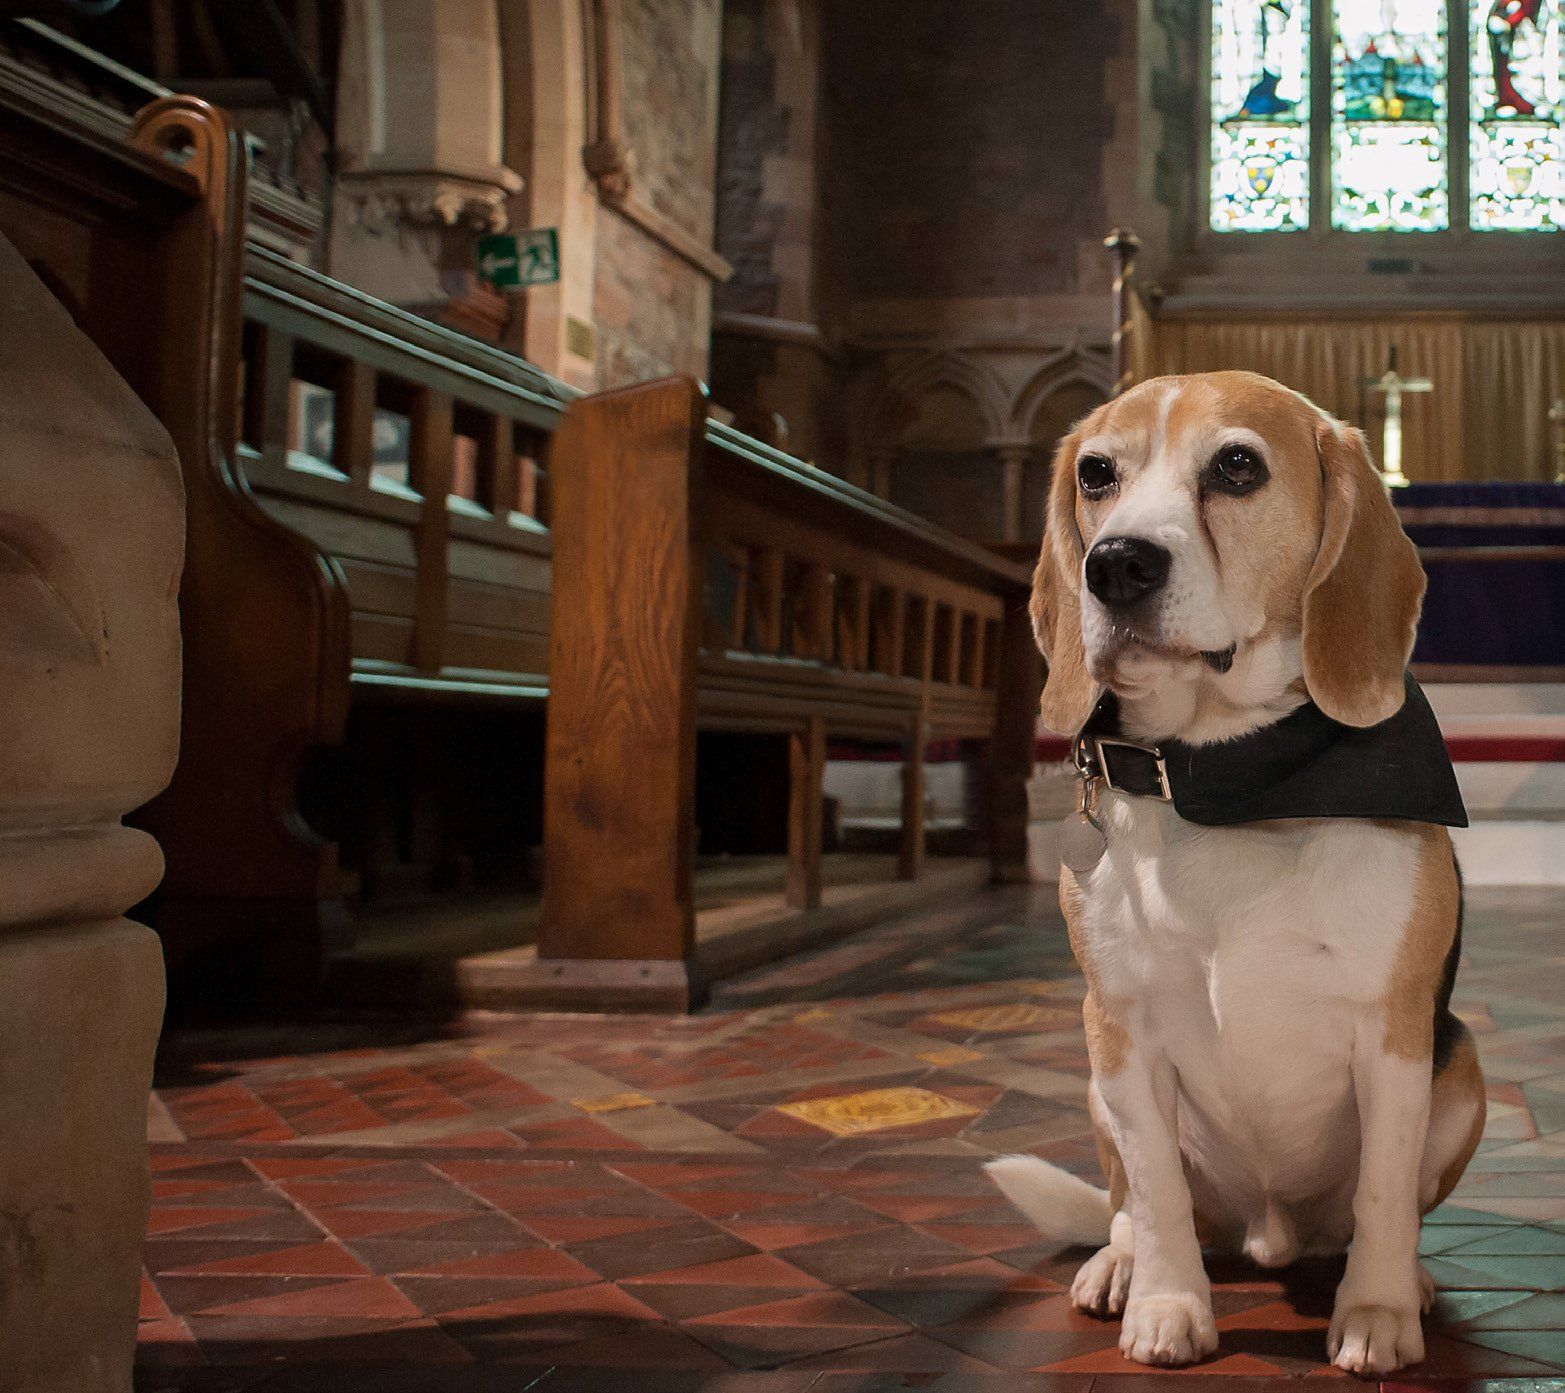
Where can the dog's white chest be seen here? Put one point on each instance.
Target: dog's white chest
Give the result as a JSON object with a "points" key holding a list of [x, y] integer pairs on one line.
{"points": [[1250, 955]]}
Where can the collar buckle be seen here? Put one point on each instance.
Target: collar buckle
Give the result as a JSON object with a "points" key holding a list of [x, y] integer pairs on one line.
{"points": [[1144, 773]]}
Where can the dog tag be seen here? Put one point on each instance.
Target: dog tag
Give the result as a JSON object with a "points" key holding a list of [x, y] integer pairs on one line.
{"points": [[1082, 840]]}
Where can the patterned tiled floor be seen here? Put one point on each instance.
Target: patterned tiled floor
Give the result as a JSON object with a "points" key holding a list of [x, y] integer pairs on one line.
{"points": [[780, 1195]]}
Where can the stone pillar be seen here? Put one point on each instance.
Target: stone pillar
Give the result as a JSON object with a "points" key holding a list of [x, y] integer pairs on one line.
{"points": [[420, 128], [1013, 471], [91, 544]]}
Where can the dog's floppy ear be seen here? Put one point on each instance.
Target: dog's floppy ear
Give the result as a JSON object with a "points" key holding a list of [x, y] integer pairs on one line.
{"points": [[1068, 691], [1362, 598]]}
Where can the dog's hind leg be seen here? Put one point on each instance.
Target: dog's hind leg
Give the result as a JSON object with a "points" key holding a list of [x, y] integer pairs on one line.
{"points": [[1103, 1282], [1457, 1108]]}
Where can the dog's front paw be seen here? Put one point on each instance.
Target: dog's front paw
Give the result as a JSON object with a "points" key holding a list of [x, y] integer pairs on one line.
{"points": [[1168, 1329], [1366, 1339]]}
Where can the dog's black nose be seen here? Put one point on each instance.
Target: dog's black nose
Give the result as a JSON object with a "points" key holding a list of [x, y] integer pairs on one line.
{"points": [[1120, 570]]}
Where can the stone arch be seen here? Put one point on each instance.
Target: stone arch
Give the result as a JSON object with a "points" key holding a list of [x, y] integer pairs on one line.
{"points": [[946, 373], [1057, 396], [1064, 370], [932, 428]]}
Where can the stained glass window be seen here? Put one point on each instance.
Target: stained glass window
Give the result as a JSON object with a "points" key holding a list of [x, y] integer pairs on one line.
{"points": [[1260, 115], [1517, 143], [1393, 142], [1388, 116]]}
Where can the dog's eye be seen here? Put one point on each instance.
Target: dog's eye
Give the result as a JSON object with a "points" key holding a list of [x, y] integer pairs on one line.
{"points": [[1095, 474], [1237, 469]]}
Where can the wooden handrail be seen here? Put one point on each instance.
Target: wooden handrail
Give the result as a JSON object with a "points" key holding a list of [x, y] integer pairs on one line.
{"points": [[360, 326], [931, 542], [338, 317], [465, 410]]}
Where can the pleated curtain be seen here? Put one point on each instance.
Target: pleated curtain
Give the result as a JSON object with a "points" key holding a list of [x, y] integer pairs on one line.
{"points": [[1486, 417]]}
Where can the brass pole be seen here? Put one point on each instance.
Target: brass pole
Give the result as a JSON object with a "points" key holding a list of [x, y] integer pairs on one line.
{"points": [[1124, 244]]}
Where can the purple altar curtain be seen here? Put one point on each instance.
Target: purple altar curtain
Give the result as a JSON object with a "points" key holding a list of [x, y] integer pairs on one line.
{"points": [[1481, 611]]}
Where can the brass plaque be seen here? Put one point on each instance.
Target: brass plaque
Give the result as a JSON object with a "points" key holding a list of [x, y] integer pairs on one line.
{"points": [[880, 1108], [614, 1102], [580, 338], [1014, 1015]]}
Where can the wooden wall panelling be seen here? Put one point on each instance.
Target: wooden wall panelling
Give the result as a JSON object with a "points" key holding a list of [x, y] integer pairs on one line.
{"points": [[947, 657], [991, 652], [814, 630], [862, 550], [889, 626], [268, 402], [853, 623], [973, 633], [738, 559], [353, 423], [499, 473], [918, 649], [767, 570]]}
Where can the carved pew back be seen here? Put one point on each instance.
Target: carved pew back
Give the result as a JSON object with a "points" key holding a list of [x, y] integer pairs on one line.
{"points": [[413, 460]]}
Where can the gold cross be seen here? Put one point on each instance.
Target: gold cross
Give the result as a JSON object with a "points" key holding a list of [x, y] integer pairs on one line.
{"points": [[1393, 384]]}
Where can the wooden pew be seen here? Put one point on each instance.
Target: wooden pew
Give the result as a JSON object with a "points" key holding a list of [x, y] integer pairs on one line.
{"points": [[331, 579], [314, 587], [703, 579], [388, 472]]}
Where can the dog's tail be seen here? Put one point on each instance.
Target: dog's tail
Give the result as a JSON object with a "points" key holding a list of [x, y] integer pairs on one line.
{"points": [[1065, 1208]]}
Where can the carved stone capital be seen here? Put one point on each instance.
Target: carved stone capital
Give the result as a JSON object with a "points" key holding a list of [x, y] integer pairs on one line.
{"points": [[388, 198]]}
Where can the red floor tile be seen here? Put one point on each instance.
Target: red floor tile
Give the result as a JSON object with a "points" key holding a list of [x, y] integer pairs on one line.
{"points": [[799, 1262]]}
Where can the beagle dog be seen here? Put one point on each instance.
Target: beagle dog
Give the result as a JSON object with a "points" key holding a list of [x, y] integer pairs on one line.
{"points": [[1275, 1067]]}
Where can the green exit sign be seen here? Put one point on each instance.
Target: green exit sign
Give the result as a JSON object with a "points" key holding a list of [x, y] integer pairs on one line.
{"points": [[510, 259]]}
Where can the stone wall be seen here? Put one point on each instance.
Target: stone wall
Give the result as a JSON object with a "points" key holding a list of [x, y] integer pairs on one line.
{"points": [[914, 197], [651, 311], [767, 152], [668, 56], [769, 359], [652, 306], [753, 132], [595, 117], [966, 146], [973, 158]]}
